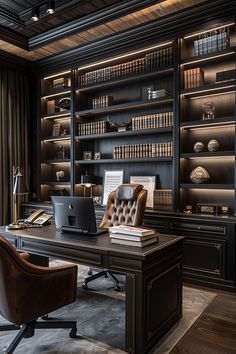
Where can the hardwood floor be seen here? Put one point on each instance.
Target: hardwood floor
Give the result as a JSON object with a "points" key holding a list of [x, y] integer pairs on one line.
{"points": [[215, 330]]}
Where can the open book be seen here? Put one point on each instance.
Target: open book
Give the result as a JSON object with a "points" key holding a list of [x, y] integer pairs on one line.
{"points": [[131, 230]]}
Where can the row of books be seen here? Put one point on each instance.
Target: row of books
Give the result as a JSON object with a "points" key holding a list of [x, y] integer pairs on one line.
{"points": [[213, 41], [102, 101], [163, 199], [62, 82], [142, 150], [152, 121], [160, 59], [156, 60], [133, 236], [193, 78], [99, 127]]}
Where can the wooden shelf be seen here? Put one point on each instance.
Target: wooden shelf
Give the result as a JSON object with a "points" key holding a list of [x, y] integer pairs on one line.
{"points": [[56, 138], [198, 124], [58, 92], [207, 154], [206, 186], [214, 56], [209, 89], [125, 80], [57, 115], [56, 161], [61, 183], [125, 106], [128, 133], [112, 161]]}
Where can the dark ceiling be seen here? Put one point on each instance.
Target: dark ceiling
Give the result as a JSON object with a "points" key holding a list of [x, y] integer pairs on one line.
{"points": [[16, 14]]}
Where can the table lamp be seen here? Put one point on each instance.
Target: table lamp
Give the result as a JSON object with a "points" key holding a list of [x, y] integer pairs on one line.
{"points": [[88, 181], [19, 188]]}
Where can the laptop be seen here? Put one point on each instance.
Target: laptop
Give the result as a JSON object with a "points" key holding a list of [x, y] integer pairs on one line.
{"points": [[75, 214]]}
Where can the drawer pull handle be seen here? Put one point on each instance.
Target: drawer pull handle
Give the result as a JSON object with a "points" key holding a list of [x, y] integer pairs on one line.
{"points": [[199, 227]]}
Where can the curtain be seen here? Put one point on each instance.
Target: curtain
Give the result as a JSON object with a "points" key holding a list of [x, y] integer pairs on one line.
{"points": [[14, 139]]}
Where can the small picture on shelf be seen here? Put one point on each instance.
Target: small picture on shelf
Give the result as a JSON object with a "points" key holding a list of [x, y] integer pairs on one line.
{"points": [[56, 129], [97, 156], [87, 155], [60, 152], [208, 110]]}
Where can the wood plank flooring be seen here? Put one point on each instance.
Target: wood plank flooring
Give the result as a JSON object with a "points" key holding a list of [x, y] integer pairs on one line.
{"points": [[215, 330]]}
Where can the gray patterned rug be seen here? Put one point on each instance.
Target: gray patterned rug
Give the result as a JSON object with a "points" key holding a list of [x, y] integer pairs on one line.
{"points": [[100, 315]]}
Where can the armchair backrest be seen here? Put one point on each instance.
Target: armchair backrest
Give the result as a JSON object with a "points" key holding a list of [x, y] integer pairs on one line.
{"points": [[28, 291], [125, 205]]}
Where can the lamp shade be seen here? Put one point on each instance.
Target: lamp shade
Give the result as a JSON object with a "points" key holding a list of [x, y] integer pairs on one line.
{"points": [[19, 185]]}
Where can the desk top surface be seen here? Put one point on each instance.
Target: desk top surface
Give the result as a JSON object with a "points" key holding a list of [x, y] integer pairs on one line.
{"points": [[101, 243]]}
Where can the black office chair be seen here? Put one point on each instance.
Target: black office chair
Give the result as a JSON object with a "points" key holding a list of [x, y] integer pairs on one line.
{"points": [[125, 205], [28, 292]]}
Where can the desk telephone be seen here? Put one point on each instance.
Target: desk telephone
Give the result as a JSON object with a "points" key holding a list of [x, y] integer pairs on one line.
{"points": [[39, 217]]}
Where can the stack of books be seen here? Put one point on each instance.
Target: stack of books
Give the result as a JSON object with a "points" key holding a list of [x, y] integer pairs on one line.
{"points": [[133, 236], [193, 78]]}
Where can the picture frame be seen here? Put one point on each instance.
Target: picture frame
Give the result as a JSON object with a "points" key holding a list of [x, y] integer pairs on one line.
{"points": [[56, 129], [97, 156], [149, 183], [87, 155], [111, 180]]}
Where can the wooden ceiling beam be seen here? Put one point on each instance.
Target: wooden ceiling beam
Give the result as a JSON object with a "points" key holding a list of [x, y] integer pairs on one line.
{"points": [[89, 21], [13, 37]]}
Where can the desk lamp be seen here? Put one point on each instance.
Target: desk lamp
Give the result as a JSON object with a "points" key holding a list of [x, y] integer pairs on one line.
{"points": [[19, 188], [88, 181]]}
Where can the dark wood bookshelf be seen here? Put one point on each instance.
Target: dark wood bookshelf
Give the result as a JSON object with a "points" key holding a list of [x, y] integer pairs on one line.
{"points": [[57, 115], [56, 138], [60, 92], [125, 80], [58, 183], [208, 123], [55, 161], [206, 186], [136, 160], [209, 89], [117, 135], [125, 106], [207, 154], [216, 56]]}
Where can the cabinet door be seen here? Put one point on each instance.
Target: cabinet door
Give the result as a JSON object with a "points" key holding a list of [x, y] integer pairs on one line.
{"points": [[208, 247]]}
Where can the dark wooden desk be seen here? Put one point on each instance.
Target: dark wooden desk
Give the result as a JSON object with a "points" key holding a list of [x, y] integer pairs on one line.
{"points": [[153, 275]]}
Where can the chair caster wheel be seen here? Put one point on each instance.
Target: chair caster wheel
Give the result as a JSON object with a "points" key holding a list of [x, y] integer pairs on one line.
{"points": [[73, 333], [84, 286], [117, 288], [90, 272]]}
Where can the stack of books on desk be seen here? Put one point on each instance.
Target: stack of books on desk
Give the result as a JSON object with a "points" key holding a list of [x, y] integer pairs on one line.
{"points": [[132, 236]]}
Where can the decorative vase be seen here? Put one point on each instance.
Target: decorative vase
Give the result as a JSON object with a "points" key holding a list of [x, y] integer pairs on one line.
{"points": [[199, 146], [213, 145], [199, 175]]}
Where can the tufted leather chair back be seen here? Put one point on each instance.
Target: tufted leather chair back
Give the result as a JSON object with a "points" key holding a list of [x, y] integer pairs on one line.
{"points": [[125, 206]]}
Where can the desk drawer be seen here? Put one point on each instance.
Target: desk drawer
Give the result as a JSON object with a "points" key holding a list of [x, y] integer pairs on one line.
{"points": [[50, 250], [12, 240], [198, 227]]}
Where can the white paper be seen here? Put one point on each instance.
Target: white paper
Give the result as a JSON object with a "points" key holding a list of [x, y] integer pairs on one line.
{"points": [[149, 183], [112, 179]]}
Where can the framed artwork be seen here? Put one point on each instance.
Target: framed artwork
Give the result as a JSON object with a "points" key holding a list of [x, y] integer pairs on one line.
{"points": [[56, 129], [97, 156], [149, 183], [112, 179], [87, 155]]}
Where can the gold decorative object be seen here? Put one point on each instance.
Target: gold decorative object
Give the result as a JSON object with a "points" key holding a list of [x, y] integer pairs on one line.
{"points": [[199, 146], [199, 175], [213, 145]]}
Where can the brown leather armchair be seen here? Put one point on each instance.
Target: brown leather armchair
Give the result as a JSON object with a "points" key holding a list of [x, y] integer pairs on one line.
{"points": [[28, 292], [125, 205]]}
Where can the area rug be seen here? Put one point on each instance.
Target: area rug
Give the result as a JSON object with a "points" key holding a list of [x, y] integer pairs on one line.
{"points": [[100, 315]]}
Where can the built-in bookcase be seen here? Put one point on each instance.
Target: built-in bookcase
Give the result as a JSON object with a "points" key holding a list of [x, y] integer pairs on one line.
{"points": [[162, 96], [208, 112]]}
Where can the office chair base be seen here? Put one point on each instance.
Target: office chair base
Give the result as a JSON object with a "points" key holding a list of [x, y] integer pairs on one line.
{"points": [[28, 330], [104, 273]]}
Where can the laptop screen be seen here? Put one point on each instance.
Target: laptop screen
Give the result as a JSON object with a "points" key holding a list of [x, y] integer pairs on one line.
{"points": [[75, 213]]}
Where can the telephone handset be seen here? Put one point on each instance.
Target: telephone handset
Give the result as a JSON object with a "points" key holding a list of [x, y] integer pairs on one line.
{"points": [[39, 217]]}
